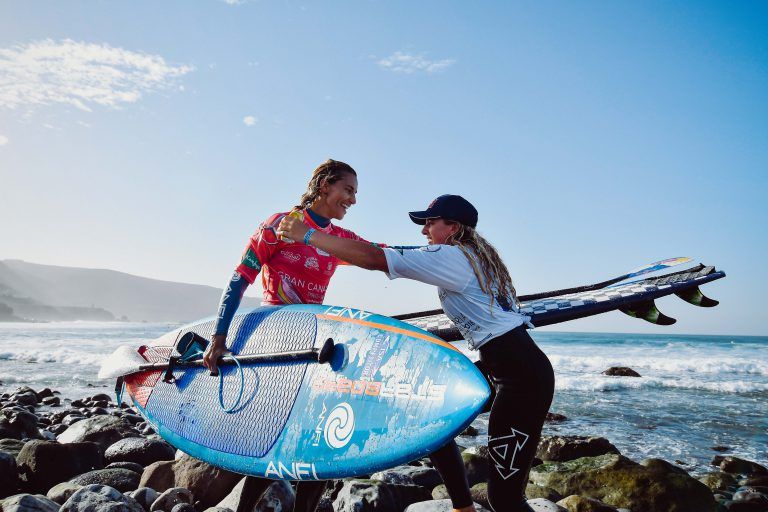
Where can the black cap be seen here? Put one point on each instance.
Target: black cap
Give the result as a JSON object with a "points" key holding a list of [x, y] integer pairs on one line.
{"points": [[448, 207]]}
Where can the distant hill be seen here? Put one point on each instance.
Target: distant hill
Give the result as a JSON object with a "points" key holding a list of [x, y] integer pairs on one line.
{"points": [[46, 292]]}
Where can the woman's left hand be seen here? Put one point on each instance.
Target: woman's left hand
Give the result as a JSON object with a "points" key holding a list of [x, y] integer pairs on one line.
{"points": [[292, 228]]}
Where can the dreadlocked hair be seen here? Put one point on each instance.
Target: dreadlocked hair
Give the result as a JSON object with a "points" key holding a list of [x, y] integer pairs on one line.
{"points": [[327, 173], [492, 274]]}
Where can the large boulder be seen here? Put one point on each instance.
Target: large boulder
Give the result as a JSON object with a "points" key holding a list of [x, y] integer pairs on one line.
{"points": [[654, 486], [9, 477], [18, 423], [28, 503], [375, 496], [93, 498], [476, 466], [139, 450], [208, 483], [43, 464], [123, 480], [562, 448], [102, 430]]}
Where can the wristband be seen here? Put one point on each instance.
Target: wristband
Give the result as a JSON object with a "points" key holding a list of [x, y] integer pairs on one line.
{"points": [[308, 235]]}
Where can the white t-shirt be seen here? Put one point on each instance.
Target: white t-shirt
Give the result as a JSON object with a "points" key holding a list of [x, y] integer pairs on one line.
{"points": [[464, 302]]}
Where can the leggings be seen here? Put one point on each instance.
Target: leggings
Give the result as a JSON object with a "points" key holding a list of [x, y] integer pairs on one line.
{"points": [[525, 384]]}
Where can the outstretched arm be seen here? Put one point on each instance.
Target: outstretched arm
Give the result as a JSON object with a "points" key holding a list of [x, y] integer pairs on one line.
{"points": [[357, 253]]}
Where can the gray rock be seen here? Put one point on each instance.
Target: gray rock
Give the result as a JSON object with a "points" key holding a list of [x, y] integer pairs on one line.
{"points": [[18, 423], [52, 401], [98, 498], [718, 481], [479, 493], [139, 450], [26, 398], [410, 475], [126, 465], [210, 484], [476, 467], [62, 492], [278, 496], [751, 494], [145, 496], [9, 477], [544, 505], [28, 503], [739, 466], [12, 446], [438, 506], [584, 504], [43, 464], [172, 497], [183, 507], [376, 496], [563, 448], [71, 419], [621, 371], [102, 430], [121, 479], [533, 491]]}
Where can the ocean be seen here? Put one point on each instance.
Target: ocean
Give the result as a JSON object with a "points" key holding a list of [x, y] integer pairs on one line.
{"points": [[694, 393]]}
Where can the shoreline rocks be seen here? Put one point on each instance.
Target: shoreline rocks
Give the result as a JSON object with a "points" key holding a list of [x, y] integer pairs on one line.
{"points": [[94, 455]]}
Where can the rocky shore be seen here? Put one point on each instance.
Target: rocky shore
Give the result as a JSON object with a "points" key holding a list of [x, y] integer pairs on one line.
{"points": [[92, 455]]}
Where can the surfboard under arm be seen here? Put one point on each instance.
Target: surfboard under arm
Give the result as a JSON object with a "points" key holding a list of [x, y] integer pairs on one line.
{"points": [[635, 298]]}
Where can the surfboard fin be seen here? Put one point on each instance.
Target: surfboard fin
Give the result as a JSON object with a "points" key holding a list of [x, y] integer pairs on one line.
{"points": [[695, 297], [647, 310]]}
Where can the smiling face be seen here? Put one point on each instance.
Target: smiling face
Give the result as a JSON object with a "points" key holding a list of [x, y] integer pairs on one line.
{"points": [[336, 198], [438, 231]]}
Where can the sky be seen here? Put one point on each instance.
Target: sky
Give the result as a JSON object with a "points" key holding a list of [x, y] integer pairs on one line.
{"points": [[593, 137]]}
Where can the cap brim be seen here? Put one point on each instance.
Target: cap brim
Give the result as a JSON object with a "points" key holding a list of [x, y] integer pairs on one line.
{"points": [[420, 217]]}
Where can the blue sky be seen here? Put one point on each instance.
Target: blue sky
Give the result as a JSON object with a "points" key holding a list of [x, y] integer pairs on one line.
{"points": [[594, 137]]}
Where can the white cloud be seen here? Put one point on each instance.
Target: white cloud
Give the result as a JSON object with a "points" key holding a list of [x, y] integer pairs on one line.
{"points": [[249, 120], [80, 74], [234, 2], [3, 140], [400, 62]]}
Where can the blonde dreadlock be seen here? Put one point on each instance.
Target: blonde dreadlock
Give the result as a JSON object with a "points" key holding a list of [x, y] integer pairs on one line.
{"points": [[327, 173], [492, 275]]}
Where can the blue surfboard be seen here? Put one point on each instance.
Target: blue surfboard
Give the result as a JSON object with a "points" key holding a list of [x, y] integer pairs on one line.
{"points": [[391, 393]]}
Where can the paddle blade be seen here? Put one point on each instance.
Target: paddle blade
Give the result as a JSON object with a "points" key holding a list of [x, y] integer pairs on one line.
{"points": [[123, 361], [659, 265]]}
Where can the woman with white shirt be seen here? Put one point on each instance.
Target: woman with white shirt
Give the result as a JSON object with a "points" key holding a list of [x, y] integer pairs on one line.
{"points": [[477, 294]]}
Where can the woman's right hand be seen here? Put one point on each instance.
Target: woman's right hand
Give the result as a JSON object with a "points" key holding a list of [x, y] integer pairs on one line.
{"points": [[214, 350]]}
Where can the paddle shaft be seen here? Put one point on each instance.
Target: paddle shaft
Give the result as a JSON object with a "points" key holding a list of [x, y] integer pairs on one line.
{"points": [[274, 357]]}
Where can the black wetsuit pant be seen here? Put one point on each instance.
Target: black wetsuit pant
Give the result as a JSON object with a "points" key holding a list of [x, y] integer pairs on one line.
{"points": [[525, 384]]}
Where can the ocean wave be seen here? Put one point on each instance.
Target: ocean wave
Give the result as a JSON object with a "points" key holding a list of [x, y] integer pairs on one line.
{"points": [[605, 383], [61, 356], [662, 364]]}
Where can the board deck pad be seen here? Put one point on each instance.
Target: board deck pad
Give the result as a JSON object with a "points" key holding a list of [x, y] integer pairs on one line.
{"points": [[391, 394]]}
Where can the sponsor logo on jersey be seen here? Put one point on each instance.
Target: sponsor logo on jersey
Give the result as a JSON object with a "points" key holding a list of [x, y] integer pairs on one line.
{"points": [[290, 256], [250, 260], [311, 262], [321, 252]]}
